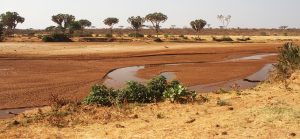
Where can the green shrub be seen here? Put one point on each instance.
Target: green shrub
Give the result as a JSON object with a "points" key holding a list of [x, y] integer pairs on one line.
{"points": [[136, 92], [181, 36], [178, 93], [56, 37], [244, 39], [102, 95], [158, 40], [156, 87], [136, 35], [224, 38], [288, 60]]}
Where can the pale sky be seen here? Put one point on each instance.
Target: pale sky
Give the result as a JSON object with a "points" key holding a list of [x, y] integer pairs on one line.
{"points": [[245, 13]]}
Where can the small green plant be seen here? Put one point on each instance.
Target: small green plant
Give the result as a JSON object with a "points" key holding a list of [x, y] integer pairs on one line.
{"points": [[178, 93], [56, 37]]}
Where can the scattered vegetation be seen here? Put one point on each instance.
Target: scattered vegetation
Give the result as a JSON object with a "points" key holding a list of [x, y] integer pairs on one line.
{"points": [[136, 35], [56, 37], [157, 89], [288, 61]]}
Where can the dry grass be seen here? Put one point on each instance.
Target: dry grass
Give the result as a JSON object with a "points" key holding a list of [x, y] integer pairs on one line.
{"points": [[267, 111]]}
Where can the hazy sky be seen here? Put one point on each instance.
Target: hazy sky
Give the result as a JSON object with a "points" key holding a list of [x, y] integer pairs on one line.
{"points": [[245, 13]]}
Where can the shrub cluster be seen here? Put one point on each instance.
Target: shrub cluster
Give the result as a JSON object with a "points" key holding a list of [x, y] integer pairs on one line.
{"points": [[157, 89], [136, 35], [244, 39], [222, 39], [288, 60], [56, 37]]}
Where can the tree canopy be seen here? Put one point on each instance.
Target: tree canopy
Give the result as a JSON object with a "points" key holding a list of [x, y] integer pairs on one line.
{"points": [[198, 25], [136, 23], [155, 19]]}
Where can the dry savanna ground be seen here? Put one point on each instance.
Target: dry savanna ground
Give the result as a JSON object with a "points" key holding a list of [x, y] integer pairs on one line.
{"points": [[32, 71]]}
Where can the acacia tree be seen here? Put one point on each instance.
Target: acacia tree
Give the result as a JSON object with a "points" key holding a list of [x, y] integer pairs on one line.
{"points": [[63, 21], [111, 21], [198, 25], [85, 23], [156, 19], [136, 23], [225, 20], [10, 20]]}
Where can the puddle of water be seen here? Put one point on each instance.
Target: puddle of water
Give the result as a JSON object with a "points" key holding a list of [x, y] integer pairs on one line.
{"points": [[169, 75], [118, 78], [254, 57], [8, 113], [260, 75]]}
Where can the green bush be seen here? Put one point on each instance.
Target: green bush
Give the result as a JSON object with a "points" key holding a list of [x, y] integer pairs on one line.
{"points": [[156, 87], [288, 60], [136, 92], [137, 35], [224, 38], [158, 40], [56, 37], [178, 93], [166, 35], [244, 39], [102, 95]]}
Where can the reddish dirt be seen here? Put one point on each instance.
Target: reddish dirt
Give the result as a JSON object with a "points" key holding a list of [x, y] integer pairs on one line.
{"points": [[27, 78]]}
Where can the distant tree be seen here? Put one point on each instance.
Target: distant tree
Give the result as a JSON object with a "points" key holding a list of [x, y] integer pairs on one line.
{"points": [[10, 20], [85, 23], [63, 20], [1, 32], [156, 19], [198, 25], [136, 23], [173, 27], [225, 20], [208, 25], [75, 25], [283, 27], [111, 21]]}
